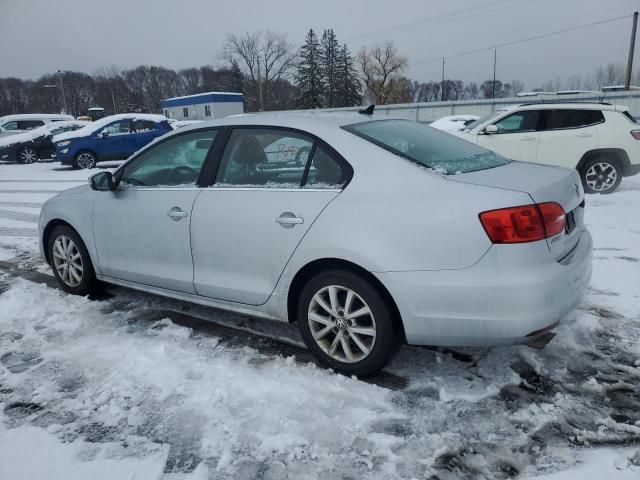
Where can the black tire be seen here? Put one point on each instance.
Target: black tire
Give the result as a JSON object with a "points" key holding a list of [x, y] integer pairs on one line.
{"points": [[88, 280], [27, 155], [85, 159], [387, 334], [597, 175]]}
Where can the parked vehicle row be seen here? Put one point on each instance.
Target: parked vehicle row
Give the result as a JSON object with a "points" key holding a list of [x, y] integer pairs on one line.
{"points": [[36, 144], [384, 232], [601, 141]]}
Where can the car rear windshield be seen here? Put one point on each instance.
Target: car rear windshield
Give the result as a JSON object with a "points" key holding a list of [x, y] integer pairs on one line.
{"points": [[427, 146]]}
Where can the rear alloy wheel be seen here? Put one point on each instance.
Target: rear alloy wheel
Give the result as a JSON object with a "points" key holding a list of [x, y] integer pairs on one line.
{"points": [[85, 160], [70, 260], [346, 323], [27, 155], [601, 175]]}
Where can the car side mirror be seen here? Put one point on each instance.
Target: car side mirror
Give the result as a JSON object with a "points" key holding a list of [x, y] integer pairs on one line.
{"points": [[102, 182], [103, 134], [490, 130]]}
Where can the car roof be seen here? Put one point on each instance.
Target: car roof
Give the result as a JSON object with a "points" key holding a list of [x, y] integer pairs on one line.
{"points": [[35, 116], [565, 106], [309, 121]]}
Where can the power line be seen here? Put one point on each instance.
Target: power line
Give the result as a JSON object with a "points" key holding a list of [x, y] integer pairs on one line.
{"points": [[456, 15], [528, 27], [522, 40]]}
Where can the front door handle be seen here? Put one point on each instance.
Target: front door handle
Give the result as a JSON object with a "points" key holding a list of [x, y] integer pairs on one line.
{"points": [[289, 220], [585, 135], [176, 213], [528, 138]]}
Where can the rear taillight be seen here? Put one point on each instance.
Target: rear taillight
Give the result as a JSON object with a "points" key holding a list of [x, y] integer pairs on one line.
{"points": [[635, 134], [527, 223]]}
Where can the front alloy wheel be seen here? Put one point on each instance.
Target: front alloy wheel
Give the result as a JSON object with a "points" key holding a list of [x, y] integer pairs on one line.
{"points": [[70, 260], [85, 160], [342, 324], [27, 155], [67, 261]]}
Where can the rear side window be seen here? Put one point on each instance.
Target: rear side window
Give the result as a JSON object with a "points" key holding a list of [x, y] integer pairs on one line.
{"points": [[427, 146], [524, 121], [29, 124], [564, 119], [144, 126], [629, 116], [325, 171], [262, 157]]}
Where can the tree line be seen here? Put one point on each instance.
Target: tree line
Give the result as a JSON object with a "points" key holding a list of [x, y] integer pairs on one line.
{"points": [[272, 74]]}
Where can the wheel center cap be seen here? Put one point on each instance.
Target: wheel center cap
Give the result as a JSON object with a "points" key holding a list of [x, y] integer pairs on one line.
{"points": [[341, 323]]}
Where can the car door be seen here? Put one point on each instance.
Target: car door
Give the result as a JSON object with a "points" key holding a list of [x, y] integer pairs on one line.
{"points": [[247, 225], [142, 229], [567, 134], [144, 132], [114, 141], [517, 136]]}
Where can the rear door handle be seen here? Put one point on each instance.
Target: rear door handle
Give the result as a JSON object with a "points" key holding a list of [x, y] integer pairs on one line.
{"points": [[585, 135], [528, 138], [289, 220], [176, 213]]}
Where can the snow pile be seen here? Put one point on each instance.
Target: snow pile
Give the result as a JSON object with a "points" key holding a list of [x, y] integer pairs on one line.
{"points": [[109, 379]]}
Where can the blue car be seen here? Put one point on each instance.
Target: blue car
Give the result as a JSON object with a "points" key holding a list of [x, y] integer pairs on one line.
{"points": [[110, 138]]}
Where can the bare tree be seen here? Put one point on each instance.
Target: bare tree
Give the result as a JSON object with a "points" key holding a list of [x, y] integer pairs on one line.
{"points": [[264, 59], [380, 67]]}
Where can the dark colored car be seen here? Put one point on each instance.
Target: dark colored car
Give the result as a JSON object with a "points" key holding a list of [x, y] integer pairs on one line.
{"points": [[36, 144], [110, 138]]}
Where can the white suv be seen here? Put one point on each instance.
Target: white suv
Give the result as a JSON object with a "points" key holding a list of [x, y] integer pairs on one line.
{"points": [[601, 141]]}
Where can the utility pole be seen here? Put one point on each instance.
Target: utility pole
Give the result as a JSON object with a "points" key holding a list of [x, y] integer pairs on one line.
{"points": [[493, 86], [260, 94], [64, 97], [113, 100], [632, 45], [442, 84]]}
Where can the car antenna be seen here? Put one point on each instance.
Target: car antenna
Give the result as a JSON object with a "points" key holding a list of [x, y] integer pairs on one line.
{"points": [[368, 110]]}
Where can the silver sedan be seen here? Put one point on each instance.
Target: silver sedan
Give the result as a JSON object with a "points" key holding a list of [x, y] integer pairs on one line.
{"points": [[381, 232]]}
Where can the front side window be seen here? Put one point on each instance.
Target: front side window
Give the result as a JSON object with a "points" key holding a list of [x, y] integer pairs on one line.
{"points": [[525, 121], [143, 126], [174, 162], [263, 157], [10, 126], [482, 120], [427, 146], [122, 127], [565, 119]]}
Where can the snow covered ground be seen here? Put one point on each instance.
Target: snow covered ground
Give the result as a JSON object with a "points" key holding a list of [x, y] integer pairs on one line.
{"points": [[104, 389]]}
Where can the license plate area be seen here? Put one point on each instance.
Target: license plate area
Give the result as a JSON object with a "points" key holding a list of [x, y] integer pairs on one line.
{"points": [[570, 222]]}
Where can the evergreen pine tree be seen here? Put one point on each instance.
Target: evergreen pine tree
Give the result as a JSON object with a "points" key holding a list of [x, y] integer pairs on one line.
{"points": [[308, 76], [329, 49], [349, 86]]}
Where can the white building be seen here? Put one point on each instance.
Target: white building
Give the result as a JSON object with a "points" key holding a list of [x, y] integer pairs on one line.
{"points": [[204, 106]]}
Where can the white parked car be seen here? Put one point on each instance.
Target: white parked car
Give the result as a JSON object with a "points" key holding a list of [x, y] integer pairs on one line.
{"points": [[386, 232], [599, 140], [453, 123], [13, 124]]}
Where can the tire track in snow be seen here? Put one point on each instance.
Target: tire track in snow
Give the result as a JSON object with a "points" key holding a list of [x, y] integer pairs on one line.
{"points": [[20, 216], [18, 232]]}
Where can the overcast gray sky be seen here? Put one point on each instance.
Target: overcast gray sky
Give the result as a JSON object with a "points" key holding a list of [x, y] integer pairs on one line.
{"points": [[41, 36]]}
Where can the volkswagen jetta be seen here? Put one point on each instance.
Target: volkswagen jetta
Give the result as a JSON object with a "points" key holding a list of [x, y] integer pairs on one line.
{"points": [[387, 232]]}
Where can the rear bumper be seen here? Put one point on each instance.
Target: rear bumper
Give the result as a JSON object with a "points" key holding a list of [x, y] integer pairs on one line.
{"points": [[510, 296]]}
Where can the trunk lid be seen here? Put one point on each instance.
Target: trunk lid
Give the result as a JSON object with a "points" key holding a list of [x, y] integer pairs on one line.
{"points": [[543, 183]]}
